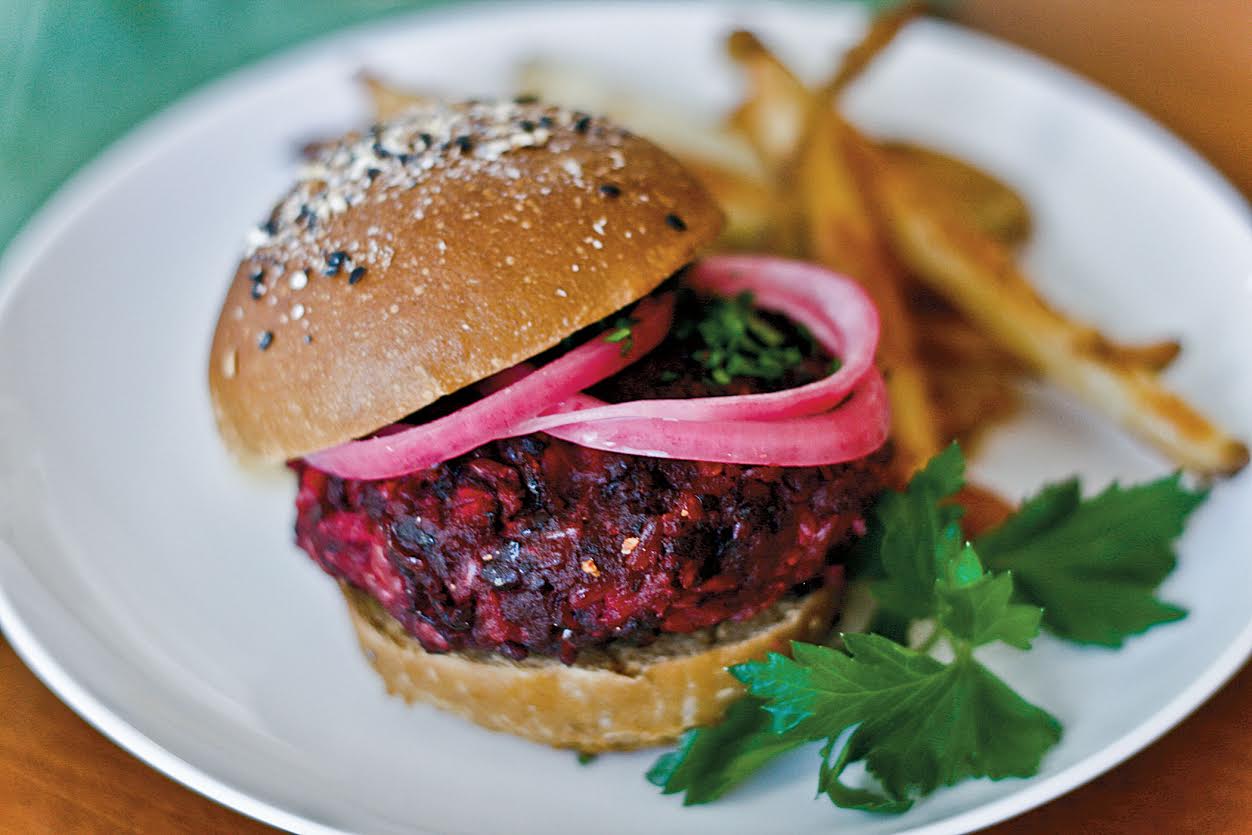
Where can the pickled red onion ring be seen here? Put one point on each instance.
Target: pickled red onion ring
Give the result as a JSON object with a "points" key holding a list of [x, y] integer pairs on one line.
{"points": [[835, 309], [839, 418], [398, 452], [852, 430]]}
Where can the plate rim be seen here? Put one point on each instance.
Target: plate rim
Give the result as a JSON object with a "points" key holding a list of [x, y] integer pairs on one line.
{"points": [[114, 163]]}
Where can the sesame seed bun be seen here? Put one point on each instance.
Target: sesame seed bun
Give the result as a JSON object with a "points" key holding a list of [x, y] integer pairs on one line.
{"points": [[618, 698], [432, 252]]}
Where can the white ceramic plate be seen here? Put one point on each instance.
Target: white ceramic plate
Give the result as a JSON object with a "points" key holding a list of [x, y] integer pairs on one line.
{"points": [[154, 586]]}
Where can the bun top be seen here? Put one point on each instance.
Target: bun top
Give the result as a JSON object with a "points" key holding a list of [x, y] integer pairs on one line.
{"points": [[432, 252]]}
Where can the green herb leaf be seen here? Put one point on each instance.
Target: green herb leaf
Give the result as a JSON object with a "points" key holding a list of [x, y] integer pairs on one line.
{"points": [[905, 532], [739, 342], [975, 605], [1095, 565], [622, 331], [919, 724], [708, 762]]}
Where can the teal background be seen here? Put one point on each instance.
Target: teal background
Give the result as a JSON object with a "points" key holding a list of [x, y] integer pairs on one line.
{"points": [[76, 74]]}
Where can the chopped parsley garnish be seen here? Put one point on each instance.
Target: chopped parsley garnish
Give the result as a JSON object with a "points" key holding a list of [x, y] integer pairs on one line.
{"points": [[920, 720], [622, 331], [738, 342]]}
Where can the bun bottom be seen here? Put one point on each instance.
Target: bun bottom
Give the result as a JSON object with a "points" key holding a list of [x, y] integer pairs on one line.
{"points": [[617, 698]]}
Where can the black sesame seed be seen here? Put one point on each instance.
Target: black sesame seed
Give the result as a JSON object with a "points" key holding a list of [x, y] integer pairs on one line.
{"points": [[308, 339], [545, 121], [582, 124], [372, 173], [527, 125], [334, 262], [259, 275], [675, 222], [465, 144], [528, 98], [427, 139], [610, 190], [356, 275], [405, 159], [265, 340], [258, 290], [270, 227], [380, 151]]}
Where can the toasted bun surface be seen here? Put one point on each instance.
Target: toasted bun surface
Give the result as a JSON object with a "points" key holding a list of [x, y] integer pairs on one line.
{"points": [[620, 698], [462, 240]]}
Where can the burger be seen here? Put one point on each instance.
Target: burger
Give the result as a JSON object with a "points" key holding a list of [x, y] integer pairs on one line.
{"points": [[564, 469]]}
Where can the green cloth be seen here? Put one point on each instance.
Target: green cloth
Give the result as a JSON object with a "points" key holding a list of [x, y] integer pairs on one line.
{"points": [[76, 74]]}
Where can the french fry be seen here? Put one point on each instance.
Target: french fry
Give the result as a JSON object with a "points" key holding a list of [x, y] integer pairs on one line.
{"points": [[973, 273], [881, 32], [967, 191], [773, 114]]}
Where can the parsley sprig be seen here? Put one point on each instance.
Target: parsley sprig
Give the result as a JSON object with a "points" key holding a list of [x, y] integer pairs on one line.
{"points": [[738, 341], [917, 721]]}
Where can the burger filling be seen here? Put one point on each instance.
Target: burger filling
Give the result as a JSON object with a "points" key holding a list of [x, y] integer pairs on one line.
{"points": [[534, 544]]}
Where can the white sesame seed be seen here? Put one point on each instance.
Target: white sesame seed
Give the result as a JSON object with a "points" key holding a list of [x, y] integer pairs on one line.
{"points": [[573, 268], [560, 291], [299, 280], [229, 364], [297, 311], [395, 308]]}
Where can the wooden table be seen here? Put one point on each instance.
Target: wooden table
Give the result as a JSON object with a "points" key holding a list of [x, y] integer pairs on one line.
{"points": [[59, 775]]}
